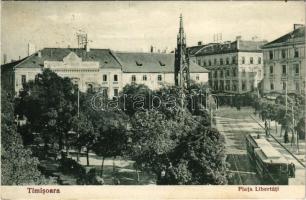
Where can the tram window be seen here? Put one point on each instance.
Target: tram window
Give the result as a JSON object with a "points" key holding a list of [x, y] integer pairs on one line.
{"points": [[273, 168]]}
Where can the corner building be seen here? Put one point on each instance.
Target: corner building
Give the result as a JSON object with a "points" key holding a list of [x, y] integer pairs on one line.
{"points": [[284, 63], [234, 67]]}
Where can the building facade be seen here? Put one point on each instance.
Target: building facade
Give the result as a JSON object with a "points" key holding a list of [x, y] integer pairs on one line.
{"points": [[284, 63], [99, 69], [234, 67]]}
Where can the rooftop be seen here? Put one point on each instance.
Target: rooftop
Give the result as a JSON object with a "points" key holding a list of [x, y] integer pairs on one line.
{"points": [[151, 62], [295, 36], [227, 47], [127, 61]]}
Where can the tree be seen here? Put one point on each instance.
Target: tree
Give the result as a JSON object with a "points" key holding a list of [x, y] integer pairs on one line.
{"points": [[112, 138], [48, 104], [152, 138], [300, 128], [167, 147], [85, 136], [198, 159], [18, 166], [135, 97]]}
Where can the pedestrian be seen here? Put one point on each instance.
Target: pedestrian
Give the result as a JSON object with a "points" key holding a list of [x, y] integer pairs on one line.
{"points": [[293, 169], [266, 128]]}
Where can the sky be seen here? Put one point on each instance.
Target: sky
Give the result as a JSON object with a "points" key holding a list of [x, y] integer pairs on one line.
{"points": [[135, 26]]}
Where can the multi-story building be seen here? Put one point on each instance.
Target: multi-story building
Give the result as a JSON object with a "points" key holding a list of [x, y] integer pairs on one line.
{"points": [[284, 63], [235, 67], [100, 69]]}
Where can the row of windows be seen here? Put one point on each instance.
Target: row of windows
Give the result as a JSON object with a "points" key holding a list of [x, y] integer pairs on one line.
{"points": [[296, 68], [284, 53], [145, 78], [115, 78], [75, 70], [228, 85], [284, 86], [227, 61], [104, 77], [227, 73]]}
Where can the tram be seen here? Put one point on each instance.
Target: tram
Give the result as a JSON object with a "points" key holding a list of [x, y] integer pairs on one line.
{"points": [[271, 166]]}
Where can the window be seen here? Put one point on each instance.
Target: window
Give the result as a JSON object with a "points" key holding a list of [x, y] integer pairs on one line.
{"points": [[204, 63], [283, 53], [104, 77], [221, 73], [209, 63], [284, 71], [159, 77], [227, 61], [297, 86], [144, 77], [228, 85], [90, 88], [296, 53], [209, 74], [116, 93], [104, 92], [216, 74], [271, 55], [234, 72], [296, 68], [199, 62], [215, 61], [221, 61], [251, 60], [23, 79], [271, 69], [284, 85], [116, 77], [243, 60], [243, 85], [133, 78], [259, 60], [227, 73], [234, 87], [271, 86], [233, 59], [243, 72], [197, 77]]}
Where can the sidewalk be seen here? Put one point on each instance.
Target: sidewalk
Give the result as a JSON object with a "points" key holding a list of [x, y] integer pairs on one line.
{"points": [[298, 152], [300, 170]]}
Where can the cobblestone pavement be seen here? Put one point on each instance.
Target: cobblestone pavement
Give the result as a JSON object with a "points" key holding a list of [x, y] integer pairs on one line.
{"points": [[235, 125]]}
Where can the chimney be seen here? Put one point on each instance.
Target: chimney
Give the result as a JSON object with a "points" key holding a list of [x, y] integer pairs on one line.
{"points": [[199, 43], [238, 38], [31, 49], [4, 58], [296, 26], [151, 49], [19, 57], [39, 54]]}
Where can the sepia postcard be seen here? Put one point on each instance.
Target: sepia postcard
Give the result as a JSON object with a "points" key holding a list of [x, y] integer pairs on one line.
{"points": [[153, 100]]}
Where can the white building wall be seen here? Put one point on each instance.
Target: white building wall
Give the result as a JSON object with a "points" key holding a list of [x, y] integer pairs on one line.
{"points": [[295, 82], [29, 73], [208, 61]]}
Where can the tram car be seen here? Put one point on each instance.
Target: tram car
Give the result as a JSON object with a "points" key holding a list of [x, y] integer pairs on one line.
{"points": [[271, 166]]}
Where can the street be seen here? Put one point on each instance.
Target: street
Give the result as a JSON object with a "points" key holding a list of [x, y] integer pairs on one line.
{"points": [[235, 125]]}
